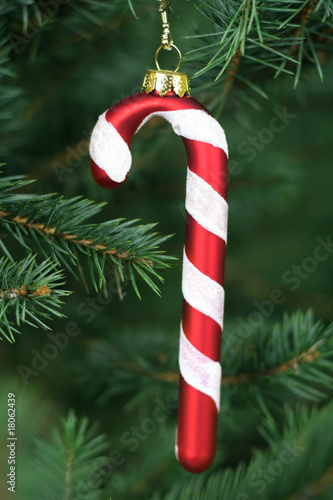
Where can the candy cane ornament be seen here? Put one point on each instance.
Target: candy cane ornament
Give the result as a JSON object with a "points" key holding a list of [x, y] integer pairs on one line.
{"points": [[166, 94]]}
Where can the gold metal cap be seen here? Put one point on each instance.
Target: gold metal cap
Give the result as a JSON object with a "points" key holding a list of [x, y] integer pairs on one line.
{"points": [[165, 81]]}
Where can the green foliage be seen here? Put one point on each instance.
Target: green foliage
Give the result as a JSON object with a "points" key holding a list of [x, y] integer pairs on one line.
{"points": [[294, 357], [29, 293], [62, 63], [249, 37], [54, 226], [115, 368], [299, 459], [26, 28], [64, 462]]}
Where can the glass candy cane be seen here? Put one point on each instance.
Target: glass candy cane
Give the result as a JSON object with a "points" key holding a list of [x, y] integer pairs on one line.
{"points": [[166, 94]]}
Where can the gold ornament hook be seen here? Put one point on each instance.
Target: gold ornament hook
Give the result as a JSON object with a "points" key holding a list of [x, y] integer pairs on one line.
{"points": [[161, 80], [166, 38]]}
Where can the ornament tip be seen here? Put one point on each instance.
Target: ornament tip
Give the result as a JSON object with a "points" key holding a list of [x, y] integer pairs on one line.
{"points": [[195, 463]]}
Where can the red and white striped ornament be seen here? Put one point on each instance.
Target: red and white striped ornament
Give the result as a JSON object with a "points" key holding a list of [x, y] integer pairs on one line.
{"points": [[205, 240]]}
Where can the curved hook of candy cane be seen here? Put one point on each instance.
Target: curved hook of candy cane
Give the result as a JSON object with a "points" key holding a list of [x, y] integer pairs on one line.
{"points": [[112, 136], [203, 263]]}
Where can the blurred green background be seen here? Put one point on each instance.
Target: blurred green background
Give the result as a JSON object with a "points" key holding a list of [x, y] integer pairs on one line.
{"points": [[280, 196]]}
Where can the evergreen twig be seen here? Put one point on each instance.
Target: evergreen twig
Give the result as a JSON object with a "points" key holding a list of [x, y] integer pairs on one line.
{"points": [[29, 293], [304, 440], [250, 36], [295, 357], [65, 462], [54, 226]]}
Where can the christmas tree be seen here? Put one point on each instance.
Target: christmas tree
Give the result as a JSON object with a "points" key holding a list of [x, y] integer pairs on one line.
{"points": [[90, 290]]}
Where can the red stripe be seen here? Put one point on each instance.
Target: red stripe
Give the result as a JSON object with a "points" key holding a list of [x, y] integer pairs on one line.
{"points": [[210, 163], [128, 114], [197, 416], [197, 425], [205, 250], [202, 331], [102, 178]]}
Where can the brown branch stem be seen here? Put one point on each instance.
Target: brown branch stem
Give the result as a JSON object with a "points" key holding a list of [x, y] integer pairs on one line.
{"points": [[303, 17], [308, 356], [70, 458], [25, 292], [318, 487], [232, 71], [232, 67], [72, 238]]}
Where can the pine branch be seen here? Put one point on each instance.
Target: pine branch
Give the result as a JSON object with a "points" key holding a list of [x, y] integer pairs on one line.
{"points": [[293, 359], [54, 227], [115, 367], [65, 461], [266, 37], [290, 366], [232, 71], [236, 58], [28, 292], [283, 472], [150, 469], [303, 18], [322, 485], [69, 465]]}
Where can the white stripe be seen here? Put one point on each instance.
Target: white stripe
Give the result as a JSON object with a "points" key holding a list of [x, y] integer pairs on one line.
{"points": [[109, 150], [206, 205], [198, 370], [194, 124], [176, 445], [201, 292]]}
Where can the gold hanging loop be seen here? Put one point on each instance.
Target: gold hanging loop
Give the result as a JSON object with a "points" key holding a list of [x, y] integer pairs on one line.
{"points": [[179, 55]]}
